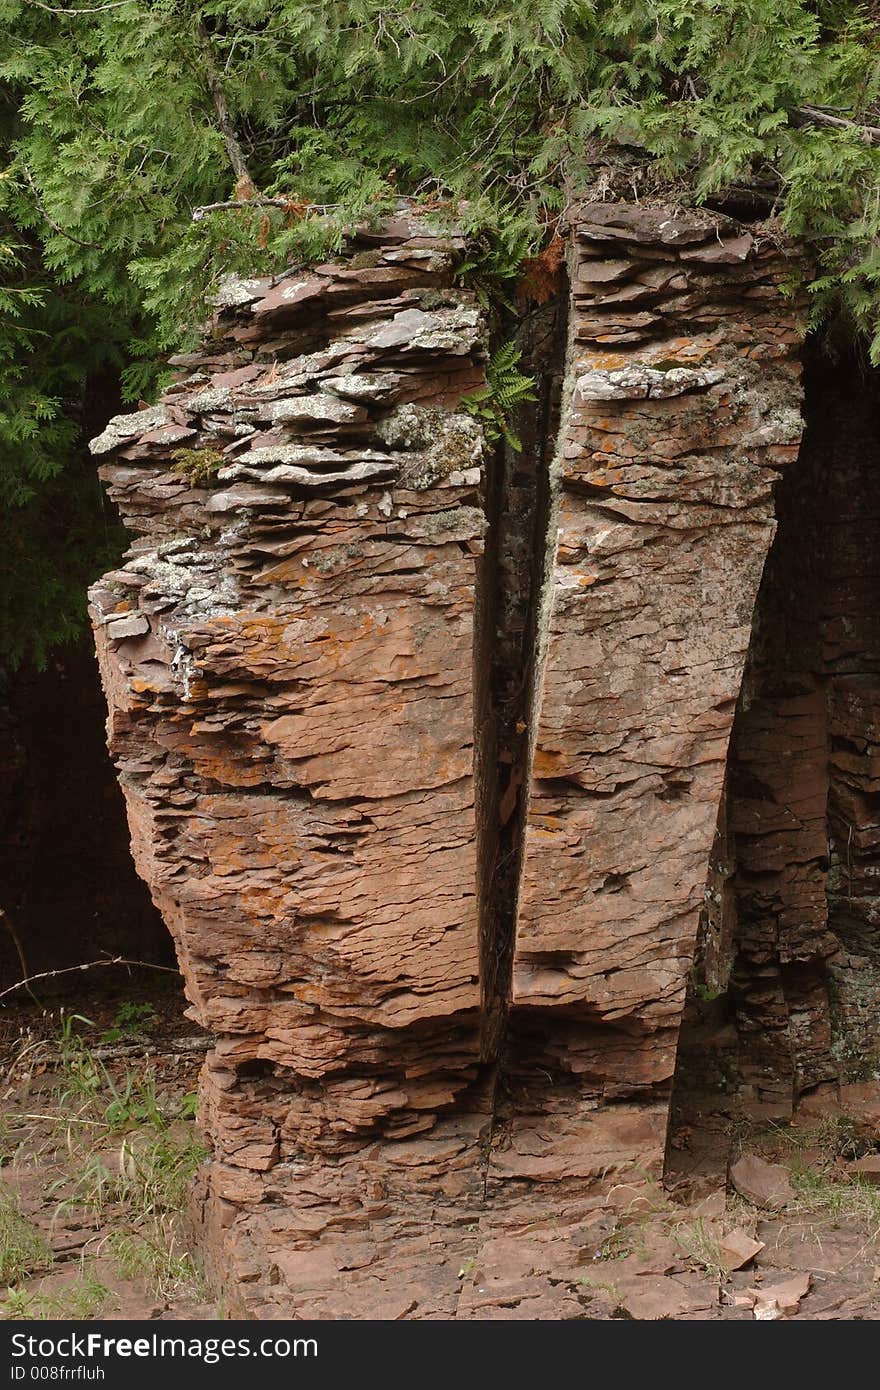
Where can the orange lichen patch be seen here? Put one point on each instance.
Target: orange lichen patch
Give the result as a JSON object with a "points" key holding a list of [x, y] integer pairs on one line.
{"points": [[261, 632], [218, 768], [547, 764], [606, 424], [602, 361]]}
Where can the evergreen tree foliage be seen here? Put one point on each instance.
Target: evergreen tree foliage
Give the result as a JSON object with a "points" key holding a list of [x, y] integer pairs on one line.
{"points": [[120, 119]]}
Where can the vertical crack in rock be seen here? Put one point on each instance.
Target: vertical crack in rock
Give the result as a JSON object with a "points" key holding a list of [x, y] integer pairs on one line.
{"points": [[519, 493]]}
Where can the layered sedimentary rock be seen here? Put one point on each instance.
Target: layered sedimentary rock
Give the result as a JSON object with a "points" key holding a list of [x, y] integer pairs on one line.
{"points": [[798, 922], [682, 408], [430, 823], [288, 660]]}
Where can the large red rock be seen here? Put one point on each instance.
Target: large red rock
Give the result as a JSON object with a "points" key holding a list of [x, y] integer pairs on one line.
{"points": [[297, 659]]}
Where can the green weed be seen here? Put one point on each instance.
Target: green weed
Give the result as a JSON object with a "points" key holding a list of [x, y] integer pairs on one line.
{"points": [[846, 1201], [131, 1021], [150, 1175], [82, 1300], [698, 1243], [23, 1248], [150, 1255], [506, 387], [198, 466]]}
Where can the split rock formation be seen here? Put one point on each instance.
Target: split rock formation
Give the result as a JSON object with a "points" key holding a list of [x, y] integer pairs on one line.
{"points": [[429, 1032]]}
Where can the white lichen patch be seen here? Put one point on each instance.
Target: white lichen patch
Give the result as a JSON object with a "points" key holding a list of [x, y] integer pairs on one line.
{"points": [[441, 445], [123, 427], [640, 382]]}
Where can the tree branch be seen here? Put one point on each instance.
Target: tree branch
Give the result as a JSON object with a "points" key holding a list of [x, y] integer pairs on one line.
{"points": [[89, 245], [95, 9], [813, 115], [218, 97], [260, 202]]}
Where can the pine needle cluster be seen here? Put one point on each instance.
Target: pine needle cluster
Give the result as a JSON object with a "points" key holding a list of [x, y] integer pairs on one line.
{"points": [[120, 123]]}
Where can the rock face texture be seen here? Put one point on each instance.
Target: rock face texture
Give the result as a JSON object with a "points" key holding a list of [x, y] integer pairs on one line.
{"points": [[289, 659], [795, 948], [429, 811], [682, 409]]}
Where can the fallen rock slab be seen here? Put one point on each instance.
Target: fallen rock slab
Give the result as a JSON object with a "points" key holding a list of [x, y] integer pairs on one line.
{"points": [[653, 1298], [866, 1169], [738, 1248], [782, 1300], [765, 1184], [713, 1205]]}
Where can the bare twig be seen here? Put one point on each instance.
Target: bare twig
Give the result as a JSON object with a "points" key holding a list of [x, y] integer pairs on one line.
{"points": [[19, 950], [169, 1047], [88, 965], [95, 9], [260, 202], [52, 223], [172, 1047], [815, 116]]}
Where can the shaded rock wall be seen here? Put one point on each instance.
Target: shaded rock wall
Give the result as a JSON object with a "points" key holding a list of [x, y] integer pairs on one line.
{"points": [[428, 811], [796, 950]]}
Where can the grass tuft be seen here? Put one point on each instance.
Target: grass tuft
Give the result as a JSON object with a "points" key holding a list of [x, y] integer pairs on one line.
{"points": [[126, 1151], [150, 1255], [23, 1248], [81, 1301]]}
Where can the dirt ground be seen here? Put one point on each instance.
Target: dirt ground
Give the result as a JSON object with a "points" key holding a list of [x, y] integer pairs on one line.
{"points": [[98, 1143]]}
